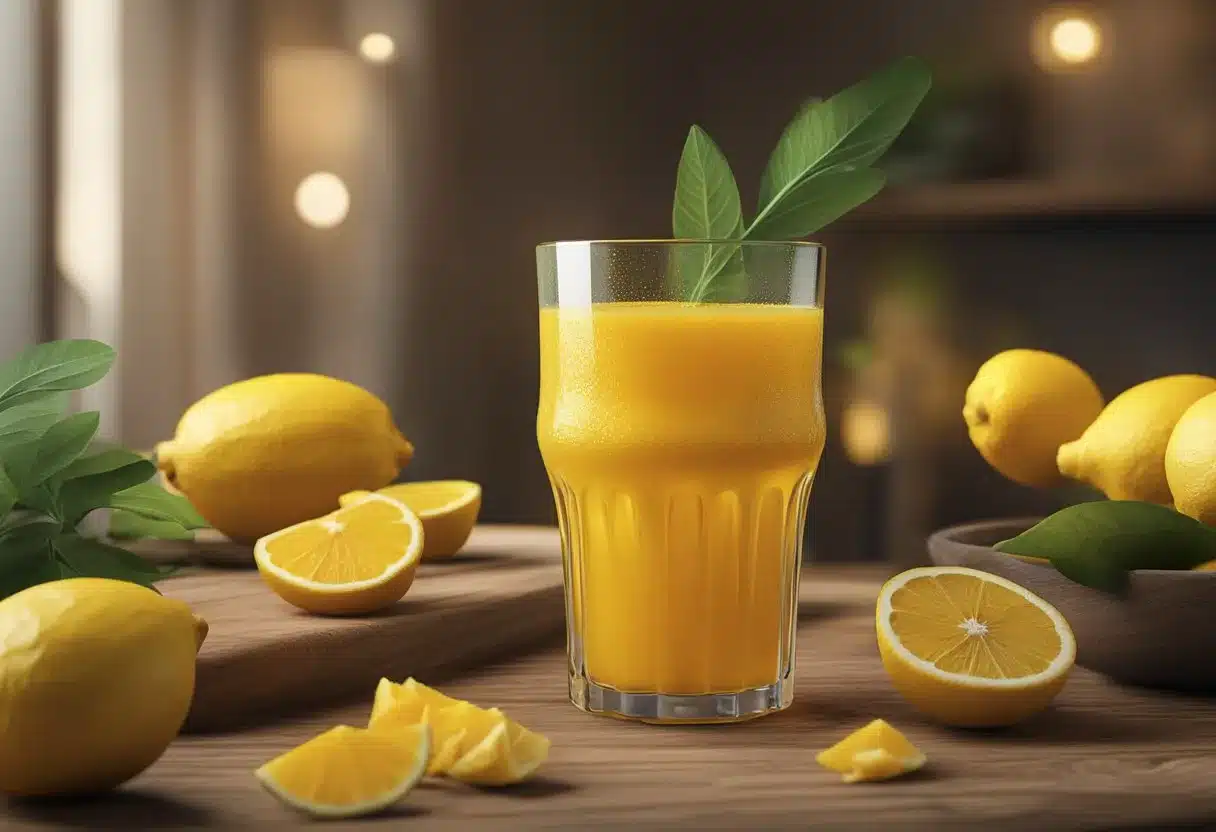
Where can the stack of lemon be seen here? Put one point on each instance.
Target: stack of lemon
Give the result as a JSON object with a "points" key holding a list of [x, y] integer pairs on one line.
{"points": [[414, 731], [1040, 420]]}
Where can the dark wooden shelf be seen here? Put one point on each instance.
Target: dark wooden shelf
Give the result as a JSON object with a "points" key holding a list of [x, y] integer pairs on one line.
{"points": [[1019, 201]]}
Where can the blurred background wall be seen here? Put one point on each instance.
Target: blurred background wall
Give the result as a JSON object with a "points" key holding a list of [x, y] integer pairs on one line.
{"points": [[223, 188]]}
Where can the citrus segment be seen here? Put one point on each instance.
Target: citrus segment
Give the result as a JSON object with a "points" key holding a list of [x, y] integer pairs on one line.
{"points": [[448, 510], [354, 560], [969, 648], [876, 752], [347, 772], [509, 754], [406, 703]]}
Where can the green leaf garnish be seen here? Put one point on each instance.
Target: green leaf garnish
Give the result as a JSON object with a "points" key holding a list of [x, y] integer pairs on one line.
{"points": [[819, 171], [151, 501], [52, 476], [53, 367], [1097, 544], [125, 525]]}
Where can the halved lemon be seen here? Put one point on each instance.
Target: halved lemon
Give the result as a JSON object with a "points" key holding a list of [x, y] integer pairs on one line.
{"points": [[876, 752], [971, 649], [509, 753], [347, 772], [355, 560], [447, 508]]}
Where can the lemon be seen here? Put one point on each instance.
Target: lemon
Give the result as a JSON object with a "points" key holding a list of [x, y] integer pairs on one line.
{"points": [[1022, 405], [96, 677], [352, 561], [875, 752], [971, 649], [1210, 566], [265, 453], [482, 746], [1190, 461], [1123, 452], [348, 772], [447, 508]]}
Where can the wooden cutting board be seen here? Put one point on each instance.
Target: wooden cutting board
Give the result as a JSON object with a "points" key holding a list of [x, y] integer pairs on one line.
{"points": [[264, 659]]}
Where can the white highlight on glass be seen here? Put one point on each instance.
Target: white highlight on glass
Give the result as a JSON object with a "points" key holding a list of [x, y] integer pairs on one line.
{"points": [[377, 47], [322, 200]]}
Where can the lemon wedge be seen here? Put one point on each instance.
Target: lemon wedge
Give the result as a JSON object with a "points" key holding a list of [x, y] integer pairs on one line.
{"points": [[971, 649], [448, 510], [355, 560], [348, 772], [482, 746], [876, 752]]}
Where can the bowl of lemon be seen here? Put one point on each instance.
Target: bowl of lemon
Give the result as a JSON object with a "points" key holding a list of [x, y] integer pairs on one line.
{"points": [[1134, 574]]}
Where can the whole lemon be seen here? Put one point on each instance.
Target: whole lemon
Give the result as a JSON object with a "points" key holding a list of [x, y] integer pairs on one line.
{"points": [[96, 677], [1190, 461], [1123, 452], [269, 452], [1022, 405]]}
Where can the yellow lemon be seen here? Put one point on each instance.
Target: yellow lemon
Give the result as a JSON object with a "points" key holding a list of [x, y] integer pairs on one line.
{"points": [[1022, 405], [508, 754], [482, 746], [96, 677], [971, 649], [875, 752], [1190, 461], [348, 772], [268, 452], [1210, 566], [1123, 452], [352, 561], [447, 508]]}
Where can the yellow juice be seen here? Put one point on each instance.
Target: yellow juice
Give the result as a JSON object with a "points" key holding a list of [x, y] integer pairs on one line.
{"points": [[681, 441]]}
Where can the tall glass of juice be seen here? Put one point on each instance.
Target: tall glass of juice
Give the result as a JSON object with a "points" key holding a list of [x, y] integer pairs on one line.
{"points": [[681, 422]]}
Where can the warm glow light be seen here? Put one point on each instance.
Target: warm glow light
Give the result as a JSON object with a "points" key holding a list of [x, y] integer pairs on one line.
{"points": [[1075, 40], [322, 200], [1069, 38], [865, 430], [377, 48]]}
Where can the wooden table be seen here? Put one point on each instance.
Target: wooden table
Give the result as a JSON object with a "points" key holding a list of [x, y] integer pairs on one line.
{"points": [[1102, 758]]}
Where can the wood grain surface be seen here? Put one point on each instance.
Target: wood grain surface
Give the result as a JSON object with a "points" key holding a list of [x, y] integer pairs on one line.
{"points": [[264, 658], [1102, 758]]}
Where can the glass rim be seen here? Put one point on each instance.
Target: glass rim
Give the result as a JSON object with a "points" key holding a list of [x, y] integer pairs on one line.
{"points": [[676, 241]]}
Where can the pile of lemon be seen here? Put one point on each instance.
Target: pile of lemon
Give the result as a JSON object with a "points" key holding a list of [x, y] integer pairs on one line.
{"points": [[414, 731], [1040, 420], [300, 465]]}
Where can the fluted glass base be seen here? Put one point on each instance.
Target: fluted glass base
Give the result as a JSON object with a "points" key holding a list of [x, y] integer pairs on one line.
{"points": [[668, 709]]}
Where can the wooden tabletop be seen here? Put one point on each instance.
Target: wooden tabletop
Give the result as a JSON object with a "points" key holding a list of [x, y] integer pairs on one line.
{"points": [[1102, 758]]}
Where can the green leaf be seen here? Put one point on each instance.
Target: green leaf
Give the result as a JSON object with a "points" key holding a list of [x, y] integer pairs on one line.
{"points": [[94, 559], [706, 207], [155, 503], [125, 525], [105, 460], [63, 443], [8, 493], [813, 203], [1098, 543], [23, 570], [23, 532], [82, 494], [53, 367], [853, 128]]}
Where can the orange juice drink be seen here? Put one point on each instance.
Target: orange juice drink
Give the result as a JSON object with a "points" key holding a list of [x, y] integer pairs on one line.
{"points": [[681, 441]]}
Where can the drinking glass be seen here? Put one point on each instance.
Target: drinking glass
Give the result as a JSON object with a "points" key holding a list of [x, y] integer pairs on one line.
{"points": [[681, 422]]}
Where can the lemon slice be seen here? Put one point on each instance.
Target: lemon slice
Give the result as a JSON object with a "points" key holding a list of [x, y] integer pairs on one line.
{"points": [[971, 649], [509, 754], [876, 752], [347, 772], [447, 508], [355, 560]]}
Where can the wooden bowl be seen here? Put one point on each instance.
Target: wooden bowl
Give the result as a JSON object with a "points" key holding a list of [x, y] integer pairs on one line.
{"points": [[1161, 634]]}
